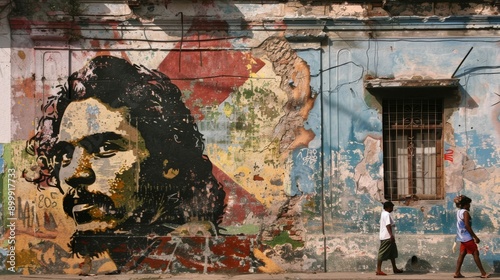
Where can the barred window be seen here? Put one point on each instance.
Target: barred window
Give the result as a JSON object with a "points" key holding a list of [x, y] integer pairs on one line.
{"points": [[413, 148]]}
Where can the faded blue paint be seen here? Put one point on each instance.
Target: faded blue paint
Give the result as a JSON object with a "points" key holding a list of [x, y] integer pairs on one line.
{"points": [[313, 59], [435, 220], [407, 219], [481, 148], [349, 120], [481, 221], [366, 123], [304, 176]]}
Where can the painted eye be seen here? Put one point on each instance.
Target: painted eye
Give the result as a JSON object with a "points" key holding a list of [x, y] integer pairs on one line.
{"points": [[109, 149]]}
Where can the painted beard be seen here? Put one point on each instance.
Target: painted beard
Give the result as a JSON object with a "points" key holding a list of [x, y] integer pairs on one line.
{"points": [[92, 211]]}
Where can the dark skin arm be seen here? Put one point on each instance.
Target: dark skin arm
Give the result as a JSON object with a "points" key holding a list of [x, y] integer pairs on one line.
{"points": [[468, 226]]}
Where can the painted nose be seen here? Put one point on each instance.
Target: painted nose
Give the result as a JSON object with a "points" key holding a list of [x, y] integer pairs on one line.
{"points": [[83, 174]]}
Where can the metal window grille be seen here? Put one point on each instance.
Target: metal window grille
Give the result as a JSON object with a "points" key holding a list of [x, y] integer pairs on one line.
{"points": [[413, 160]]}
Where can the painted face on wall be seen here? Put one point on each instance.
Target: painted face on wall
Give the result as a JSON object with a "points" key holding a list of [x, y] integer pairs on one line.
{"points": [[99, 162]]}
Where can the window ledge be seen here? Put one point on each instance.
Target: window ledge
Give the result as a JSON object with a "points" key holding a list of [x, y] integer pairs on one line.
{"points": [[413, 88], [411, 83]]}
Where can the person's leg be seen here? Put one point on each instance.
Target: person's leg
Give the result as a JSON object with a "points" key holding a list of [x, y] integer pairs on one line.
{"points": [[460, 261], [394, 255], [379, 267], [395, 269], [479, 264], [380, 258]]}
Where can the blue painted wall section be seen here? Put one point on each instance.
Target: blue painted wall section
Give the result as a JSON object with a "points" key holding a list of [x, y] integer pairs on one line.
{"points": [[353, 114]]}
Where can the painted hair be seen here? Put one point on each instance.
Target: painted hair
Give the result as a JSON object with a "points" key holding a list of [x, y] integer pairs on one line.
{"points": [[461, 200], [157, 111]]}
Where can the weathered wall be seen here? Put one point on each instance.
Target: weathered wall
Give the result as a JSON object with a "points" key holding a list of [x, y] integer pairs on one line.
{"points": [[5, 72], [426, 228], [5, 115], [235, 137]]}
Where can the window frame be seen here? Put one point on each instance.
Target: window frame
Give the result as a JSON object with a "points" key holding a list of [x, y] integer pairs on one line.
{"points": [[405, 171], [448, 90]]}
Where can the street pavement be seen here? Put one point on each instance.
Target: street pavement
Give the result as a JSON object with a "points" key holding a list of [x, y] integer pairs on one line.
{"points": [[257, 276]]}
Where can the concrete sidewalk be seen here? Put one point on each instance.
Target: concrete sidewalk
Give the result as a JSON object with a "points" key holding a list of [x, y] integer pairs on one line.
{"points": [[260, 276]]}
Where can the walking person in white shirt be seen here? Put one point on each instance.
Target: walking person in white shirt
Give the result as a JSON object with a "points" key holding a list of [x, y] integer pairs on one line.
{"points": [[388, 249]]}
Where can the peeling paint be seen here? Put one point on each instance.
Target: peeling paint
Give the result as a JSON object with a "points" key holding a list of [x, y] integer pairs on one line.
{"points": [[280, 103]]}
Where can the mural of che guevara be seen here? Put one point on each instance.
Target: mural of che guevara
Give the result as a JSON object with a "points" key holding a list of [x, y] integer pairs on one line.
{"points": [[118, 142]]}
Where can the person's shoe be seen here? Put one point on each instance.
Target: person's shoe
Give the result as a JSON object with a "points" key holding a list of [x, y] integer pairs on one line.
{"points": [[398, 271], [380, 273]]}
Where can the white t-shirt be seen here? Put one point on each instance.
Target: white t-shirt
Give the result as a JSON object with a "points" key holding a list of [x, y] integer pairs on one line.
{"points": [[385, 219]]}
